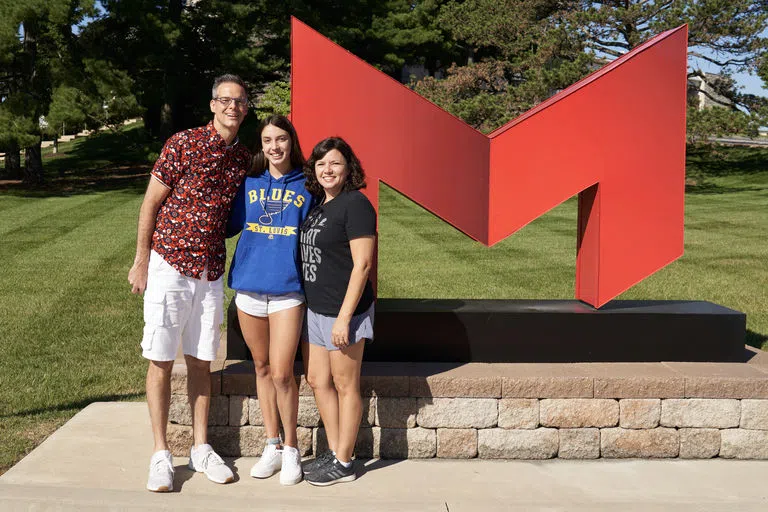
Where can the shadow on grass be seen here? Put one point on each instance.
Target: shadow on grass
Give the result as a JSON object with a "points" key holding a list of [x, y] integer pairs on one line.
{"points": [[76, 405], [716, 160], [106, 161], [704, 187], [755, 339], [715, 169]]}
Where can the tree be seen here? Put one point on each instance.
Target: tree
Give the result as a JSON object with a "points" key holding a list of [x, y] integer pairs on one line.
{"points": [[518, 53], [275, 100], [726, 34], [411, 32], [521, 52], [36, 44], [102, 97], [718, 122]]}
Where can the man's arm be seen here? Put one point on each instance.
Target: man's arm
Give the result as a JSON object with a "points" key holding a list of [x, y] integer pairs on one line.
{"points": [[156, 193]]}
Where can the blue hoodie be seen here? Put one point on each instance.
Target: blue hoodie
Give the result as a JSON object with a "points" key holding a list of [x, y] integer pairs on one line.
{"points": [[269, 212]]}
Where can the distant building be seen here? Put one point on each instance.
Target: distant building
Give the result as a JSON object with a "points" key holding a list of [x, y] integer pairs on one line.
{"points": [[701, 94], [418, 72]]}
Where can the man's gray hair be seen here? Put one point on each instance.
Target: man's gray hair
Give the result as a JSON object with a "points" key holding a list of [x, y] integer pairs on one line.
{"points": [[227, 78]]}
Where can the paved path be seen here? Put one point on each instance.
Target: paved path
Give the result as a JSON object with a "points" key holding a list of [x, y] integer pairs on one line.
{"points": [[98, 461]]}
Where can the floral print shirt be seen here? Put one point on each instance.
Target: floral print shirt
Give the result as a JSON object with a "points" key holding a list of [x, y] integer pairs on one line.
{"points": [[203, 174]]}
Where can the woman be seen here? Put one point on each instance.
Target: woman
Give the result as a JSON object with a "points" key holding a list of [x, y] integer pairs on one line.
{"points": [[337, 243], [270, 207]]}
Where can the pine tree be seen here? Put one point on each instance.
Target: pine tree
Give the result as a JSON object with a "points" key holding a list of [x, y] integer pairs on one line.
{"points": [[726, 34], [36, 39]]}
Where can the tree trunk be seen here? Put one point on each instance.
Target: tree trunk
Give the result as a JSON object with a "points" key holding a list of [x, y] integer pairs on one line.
{"points": [[166, 121], [13, 162], [33, 170]]}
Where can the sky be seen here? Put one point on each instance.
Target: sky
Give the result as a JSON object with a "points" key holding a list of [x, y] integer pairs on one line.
{"points": [[751, 84]]}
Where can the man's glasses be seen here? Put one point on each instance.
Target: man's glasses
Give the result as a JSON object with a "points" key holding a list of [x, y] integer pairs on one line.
{"points": [[225, 102]]}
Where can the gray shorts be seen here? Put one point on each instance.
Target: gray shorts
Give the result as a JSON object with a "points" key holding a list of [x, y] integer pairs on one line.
{"points": [[318, 328]]}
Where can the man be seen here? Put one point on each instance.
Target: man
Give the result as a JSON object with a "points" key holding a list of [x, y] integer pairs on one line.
{"points": [[180, 256]]}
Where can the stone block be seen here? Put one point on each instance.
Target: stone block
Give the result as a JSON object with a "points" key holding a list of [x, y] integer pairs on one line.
{"points": [[308, 415], [719, 387], [740, 443], [180, 412], [467, 381], [319, 441], [754, 414], [247, 441], [639, 412], [238, 378], [640, 387], [179, 440], [699, 443], [238, 410], [579, 443], [547, 387], [722, 380], [457, 412], [367, 444], [179, 378], [578, 412], [304, 437], [304, 388], [500, 443], [518, 413], [757, 357], [635, 380], [384, 385], [408, 443], [700, 413], [218, 413], [254, 412], [368, 418], [396, 412], [456, 443], [632, 443]]}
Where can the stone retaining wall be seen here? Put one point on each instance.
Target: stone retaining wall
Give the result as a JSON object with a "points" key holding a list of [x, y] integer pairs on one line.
{"points": [[513, 411]]}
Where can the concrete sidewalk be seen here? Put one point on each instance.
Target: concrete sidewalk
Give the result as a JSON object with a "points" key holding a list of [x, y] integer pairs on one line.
{"points": [[99, 461]]}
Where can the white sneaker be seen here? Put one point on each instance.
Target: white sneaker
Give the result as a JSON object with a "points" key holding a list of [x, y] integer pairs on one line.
{"points": [[204, 460], [291, 473], [161, 472], [269, 463]]}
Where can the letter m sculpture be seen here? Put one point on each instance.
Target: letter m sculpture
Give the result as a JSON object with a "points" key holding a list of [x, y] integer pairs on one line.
{"points": [[617, 138]]}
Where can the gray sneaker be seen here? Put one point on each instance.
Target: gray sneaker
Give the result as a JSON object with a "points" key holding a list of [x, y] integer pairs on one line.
{"points": [[160, 472], [321, 460], [333, 473]]}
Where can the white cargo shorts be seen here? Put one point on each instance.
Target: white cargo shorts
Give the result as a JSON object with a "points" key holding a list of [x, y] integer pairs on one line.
{"points": [[180, 309]]}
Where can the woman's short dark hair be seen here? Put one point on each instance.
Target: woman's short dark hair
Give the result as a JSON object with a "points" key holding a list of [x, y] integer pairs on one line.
{"points": [[356, 176], [260, 162]]}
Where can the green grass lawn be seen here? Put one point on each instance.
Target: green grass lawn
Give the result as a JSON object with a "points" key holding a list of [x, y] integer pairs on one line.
{"points": [[70, 328]]}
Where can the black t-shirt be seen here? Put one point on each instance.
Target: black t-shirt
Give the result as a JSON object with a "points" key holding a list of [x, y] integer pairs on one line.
{"points": [[325, 254]]}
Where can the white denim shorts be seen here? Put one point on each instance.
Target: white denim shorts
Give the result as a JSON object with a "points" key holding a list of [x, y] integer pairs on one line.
{"points": [[180, 309], [260, 304]]}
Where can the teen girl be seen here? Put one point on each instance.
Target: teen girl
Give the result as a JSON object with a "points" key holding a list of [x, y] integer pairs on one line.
{"points": [[270, 207]]}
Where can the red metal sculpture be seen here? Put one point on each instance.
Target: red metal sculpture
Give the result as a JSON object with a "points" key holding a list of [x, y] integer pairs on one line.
{"points": [[617, 138]]}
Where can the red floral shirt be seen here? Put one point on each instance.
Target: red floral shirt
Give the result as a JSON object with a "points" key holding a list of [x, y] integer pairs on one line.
{"points": [[203, 174]]}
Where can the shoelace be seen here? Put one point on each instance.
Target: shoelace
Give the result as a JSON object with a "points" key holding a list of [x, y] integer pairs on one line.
{"points": [[211, 457], [161, 464]]}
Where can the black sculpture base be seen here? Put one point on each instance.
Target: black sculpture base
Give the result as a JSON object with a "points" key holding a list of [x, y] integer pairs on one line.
{"points": [[538, 331]]}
